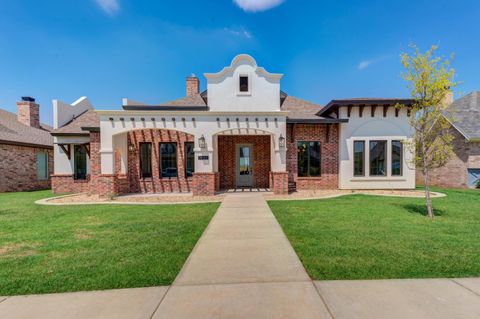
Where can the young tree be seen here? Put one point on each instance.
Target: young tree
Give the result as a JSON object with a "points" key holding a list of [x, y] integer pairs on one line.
{"points": [[430, 79]]}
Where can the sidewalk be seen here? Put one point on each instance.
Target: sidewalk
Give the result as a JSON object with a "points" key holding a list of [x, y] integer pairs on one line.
{"points": [[243, 266]]}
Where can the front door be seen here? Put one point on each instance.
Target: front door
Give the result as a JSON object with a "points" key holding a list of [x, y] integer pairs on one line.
{"points": [[244, 165]]}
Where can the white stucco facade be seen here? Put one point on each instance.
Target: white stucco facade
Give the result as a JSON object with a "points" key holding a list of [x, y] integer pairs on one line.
{"points": [[377, 128], [230, 110]]}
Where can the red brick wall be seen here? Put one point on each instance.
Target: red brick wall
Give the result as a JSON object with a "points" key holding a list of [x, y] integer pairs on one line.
{"points": [[18, 168], [203, 184], [279, 182], [65, 183], [454, 173], [155, 184], [227, 166], [328, 136]]}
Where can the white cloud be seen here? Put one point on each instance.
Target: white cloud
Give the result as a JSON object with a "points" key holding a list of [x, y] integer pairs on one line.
{"points": [[241, 32], [257, 5], [111, 7], [364, 64]]}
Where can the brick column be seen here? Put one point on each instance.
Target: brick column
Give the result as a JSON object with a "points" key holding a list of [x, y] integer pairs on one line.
{"points": [[280, 182], [106, 185], [203, 184]]}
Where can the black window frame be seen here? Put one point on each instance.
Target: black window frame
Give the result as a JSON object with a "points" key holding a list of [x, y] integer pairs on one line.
{"points": [[301, 173], [160, 162], [355, 159], [189, 157], [144, 174], [400, 160], [240, 85], [76, 175], [384, 142]]}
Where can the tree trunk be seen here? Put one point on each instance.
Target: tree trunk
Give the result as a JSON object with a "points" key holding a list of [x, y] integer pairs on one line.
{"points": [[427, 192]]}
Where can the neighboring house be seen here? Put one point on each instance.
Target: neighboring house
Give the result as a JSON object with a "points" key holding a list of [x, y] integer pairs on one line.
{"points": [[26, 149], [463, 169], [243, 131]]}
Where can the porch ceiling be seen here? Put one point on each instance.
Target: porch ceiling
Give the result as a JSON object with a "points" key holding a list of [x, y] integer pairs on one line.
{"points": [[244, 131]]}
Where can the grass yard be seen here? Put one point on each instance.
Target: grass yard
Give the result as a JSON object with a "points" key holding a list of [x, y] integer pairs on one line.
{"points": [[70, 248], [373, 237]]}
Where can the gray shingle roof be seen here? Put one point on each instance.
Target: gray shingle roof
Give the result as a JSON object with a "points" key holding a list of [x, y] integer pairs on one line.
{"points": [[299, 108], [86, 119], [465, 113], [12, 131]]}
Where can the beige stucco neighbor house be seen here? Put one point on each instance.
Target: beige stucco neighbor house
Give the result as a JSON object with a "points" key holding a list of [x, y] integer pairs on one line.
{"points": [[242, 131]]}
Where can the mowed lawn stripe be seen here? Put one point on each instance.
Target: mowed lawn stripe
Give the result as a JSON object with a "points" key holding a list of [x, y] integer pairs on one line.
{"points": [[47, 249], [374, 237]]}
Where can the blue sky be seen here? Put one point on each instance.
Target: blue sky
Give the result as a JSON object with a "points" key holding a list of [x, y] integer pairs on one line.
{"points": [[143, 50]]}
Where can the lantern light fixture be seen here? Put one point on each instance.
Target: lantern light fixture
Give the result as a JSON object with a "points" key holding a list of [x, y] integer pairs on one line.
{"points": [[281, 141], [201, 142]]}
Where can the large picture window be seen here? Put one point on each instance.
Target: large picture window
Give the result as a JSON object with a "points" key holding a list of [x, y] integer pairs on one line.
{"points": [[42, 165], [359, 158], [378, 150], [146, 160], [168, 160], [79, 162], [397, 152], [189, 159], [308, 159]]}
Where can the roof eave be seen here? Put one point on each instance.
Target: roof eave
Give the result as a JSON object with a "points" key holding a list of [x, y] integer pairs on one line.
{"points": [[69, 134], [337, 103], [316, 121], [164, 108], [26, 144]]}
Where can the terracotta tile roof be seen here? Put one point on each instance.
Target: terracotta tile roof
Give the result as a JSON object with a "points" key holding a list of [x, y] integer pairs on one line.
{"points": [[86, 119], [466, 115], [12, 131]]}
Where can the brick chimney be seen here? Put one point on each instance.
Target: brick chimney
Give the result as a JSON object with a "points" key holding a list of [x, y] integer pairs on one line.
{"points": [[193, 85], [28, 112], [448, 98]]}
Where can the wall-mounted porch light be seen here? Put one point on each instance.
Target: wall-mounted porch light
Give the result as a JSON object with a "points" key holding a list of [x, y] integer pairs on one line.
{"points": [[281, 141], [201, 142], [131, 147]]}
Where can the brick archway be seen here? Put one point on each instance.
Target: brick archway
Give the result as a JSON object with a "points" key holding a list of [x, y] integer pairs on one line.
{"points": [[156, 184], [227, 165]]}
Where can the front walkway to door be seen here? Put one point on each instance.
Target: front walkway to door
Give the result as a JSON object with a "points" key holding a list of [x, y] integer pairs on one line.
{"points": [[243, 267]]}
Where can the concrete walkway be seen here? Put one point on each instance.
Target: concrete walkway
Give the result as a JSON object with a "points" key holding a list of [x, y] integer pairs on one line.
{"points": [[243, 266]]}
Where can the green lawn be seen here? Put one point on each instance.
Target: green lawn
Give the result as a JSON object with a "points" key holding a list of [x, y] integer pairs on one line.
{"points": [[70, 248], [373, 237]]}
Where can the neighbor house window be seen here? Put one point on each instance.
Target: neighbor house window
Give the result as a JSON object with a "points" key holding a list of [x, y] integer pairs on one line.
{"points": [[359, 158], [397, 152], [168, 160], [42, 165], [378, 151], [146, 160], [189, 159], [79, 162], [308, 159], [243, 83]]}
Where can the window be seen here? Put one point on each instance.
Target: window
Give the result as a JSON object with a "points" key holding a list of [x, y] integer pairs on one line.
{"points": [[473, 177], [378, 150], [397, 152], [79, 162], [168, 160], [308, 159], [42, 165], [359, 158], [189, 159], [243, 83], [145, 160]]}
